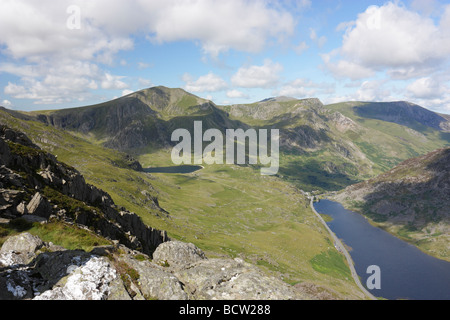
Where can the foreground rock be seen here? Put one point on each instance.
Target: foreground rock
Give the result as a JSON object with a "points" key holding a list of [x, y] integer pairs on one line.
{"points": [[48, 272]]}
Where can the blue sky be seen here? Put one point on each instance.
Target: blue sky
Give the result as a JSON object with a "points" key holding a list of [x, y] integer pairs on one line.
{"points": [[68, 53]]}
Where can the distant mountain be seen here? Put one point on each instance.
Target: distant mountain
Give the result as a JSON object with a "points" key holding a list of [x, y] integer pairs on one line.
{"points": [[331, 146], [412, 200], [139, 120], [404, 113], [323, 147]]}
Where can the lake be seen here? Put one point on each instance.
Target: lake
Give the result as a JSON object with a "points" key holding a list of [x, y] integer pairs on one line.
{"points": [[173, 169], [406, 272]]}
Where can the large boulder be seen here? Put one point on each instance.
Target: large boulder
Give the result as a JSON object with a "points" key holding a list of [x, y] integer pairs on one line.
{"points": [[155, 282], [177, 254], [227, 279], [19, 249], [87, 280]]}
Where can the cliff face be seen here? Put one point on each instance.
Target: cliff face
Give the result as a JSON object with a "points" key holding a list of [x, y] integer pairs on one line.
{"points": [[33, 185]]}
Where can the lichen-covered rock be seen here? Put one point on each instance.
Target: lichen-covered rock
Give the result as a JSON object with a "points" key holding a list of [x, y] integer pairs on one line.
{"points": [[177, 254], [226, 279], [19, 249], [155, 282], [88, 281], [119, 273]]}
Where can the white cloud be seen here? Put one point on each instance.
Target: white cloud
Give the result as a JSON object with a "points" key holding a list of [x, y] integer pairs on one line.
{"points": [[35, 37], [427, 88], [6, 103], [144, 82], [264, 76], [373, 90], [305, 88], [320, 41], [113, 82], [425, 6], [235, 24], [346, 69], [206, 83], [126, 92], [143, 65], [392, 38], [235, 94], [301, 47]]}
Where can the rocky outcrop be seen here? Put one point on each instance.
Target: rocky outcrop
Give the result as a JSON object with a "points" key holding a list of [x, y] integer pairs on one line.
{"points": [[33, 185], [48, 272]]}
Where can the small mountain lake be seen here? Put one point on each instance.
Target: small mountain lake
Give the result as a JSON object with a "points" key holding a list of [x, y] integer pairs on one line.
{"points": [[406, 272], [173, 169]]}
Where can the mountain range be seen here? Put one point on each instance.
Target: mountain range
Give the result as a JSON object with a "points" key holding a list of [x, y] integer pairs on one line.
{"points": [[322, 147], [231, 210]]}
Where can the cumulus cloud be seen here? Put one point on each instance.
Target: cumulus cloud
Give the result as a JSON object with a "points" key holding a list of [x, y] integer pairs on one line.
{"points": [[6, 103], [237, 24], [207, 83], [264, 76], [35, 37], [113, 82], [235, 94], [427, 88], [391, 38], [305, 88]]}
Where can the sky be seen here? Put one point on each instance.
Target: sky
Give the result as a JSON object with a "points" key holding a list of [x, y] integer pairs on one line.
{"points": [[57, 54]]}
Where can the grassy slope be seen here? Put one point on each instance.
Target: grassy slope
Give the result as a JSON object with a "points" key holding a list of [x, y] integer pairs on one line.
{"points": [[386, 143], [219, 209]]}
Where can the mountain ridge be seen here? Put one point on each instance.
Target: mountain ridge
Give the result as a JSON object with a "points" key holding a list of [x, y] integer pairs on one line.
{"points": [[337, 146]]}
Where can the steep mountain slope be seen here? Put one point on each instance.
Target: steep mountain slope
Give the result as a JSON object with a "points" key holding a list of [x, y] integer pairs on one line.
{"points": [[141, 120], [412, 200]]}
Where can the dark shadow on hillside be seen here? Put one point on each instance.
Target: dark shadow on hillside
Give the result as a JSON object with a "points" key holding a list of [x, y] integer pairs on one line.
{"points": [[402, 113], [421, 202], [312, 175]]}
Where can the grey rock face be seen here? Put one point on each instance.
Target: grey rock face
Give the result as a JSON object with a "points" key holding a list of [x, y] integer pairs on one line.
{"points": [[86, 281], [155, 282], [119, 273], [226, 279], [19, 249], [39, 206], [177, 254]]}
